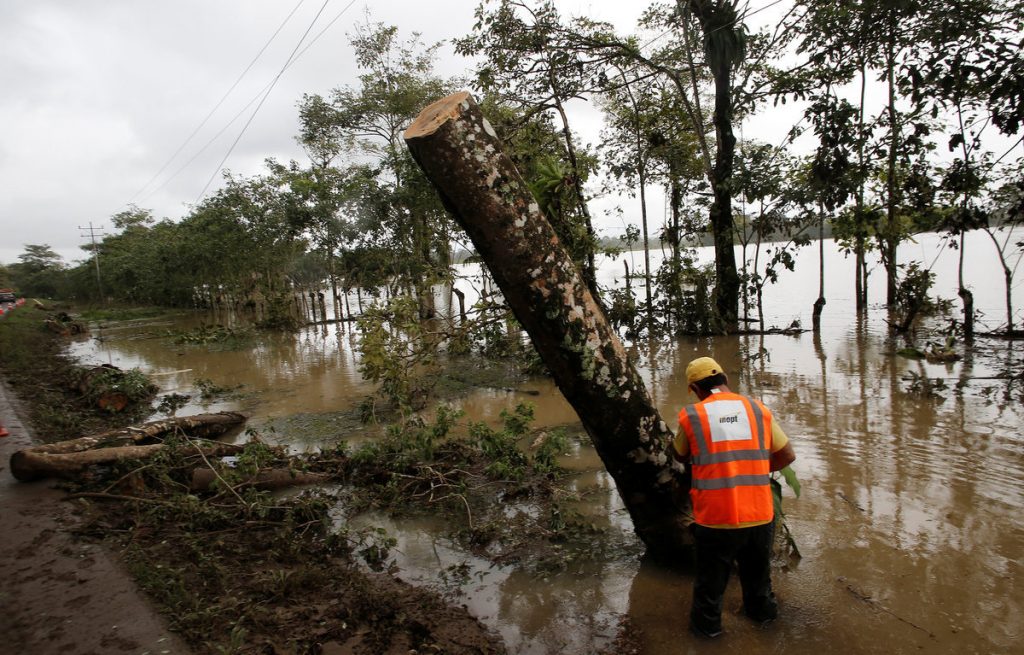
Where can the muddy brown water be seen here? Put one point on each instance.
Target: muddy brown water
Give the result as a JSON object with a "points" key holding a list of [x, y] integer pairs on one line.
{"points": [[909, 523]]}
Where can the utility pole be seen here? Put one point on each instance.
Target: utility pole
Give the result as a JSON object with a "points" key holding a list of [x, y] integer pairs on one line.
{"points": [[95, 254]]}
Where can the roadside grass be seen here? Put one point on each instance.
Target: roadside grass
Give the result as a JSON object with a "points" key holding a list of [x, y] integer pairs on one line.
{"points": [[33, 362]]}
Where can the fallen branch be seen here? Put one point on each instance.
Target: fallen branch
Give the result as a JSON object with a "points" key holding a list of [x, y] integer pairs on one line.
{"points": [[98, 495], [199, 425], [217, 475], [27, 465]]}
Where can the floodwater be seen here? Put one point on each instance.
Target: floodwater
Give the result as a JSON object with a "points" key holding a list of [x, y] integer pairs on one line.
{"points": [[910, 522]]}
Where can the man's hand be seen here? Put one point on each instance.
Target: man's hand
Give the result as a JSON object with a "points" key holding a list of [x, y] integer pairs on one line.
{"points": [[782, 458]]}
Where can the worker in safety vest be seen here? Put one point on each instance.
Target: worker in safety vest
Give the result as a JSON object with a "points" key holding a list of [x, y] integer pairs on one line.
{"points": [[732, 444]]}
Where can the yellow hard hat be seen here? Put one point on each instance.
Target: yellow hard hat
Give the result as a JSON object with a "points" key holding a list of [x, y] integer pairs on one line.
{"points": [[700, 368]]}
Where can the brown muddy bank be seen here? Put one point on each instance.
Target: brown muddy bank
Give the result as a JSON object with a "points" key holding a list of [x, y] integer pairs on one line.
{"points": [[264, 574]]}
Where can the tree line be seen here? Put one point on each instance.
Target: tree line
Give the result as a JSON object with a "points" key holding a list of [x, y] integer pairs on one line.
{"points": [[359, 215]]}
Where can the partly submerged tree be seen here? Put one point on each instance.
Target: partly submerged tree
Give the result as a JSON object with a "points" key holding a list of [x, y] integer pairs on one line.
{"points": [[768, 183], [833, 174], [366, 121], [1008, 212]]}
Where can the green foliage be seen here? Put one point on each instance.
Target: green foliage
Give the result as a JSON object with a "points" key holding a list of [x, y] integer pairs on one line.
{"points": [[280, 315], [398, 213], [121, 313], [789, 476], [622, 310], [913, 295], [684, 295], [392, 351], [833, 176], [172, 402], [553, 186], [208, 389], [98, 384], [500, 447], [545, 458], [375, 548], [407, 443], [39, 272], [228, 337], [910, 353]]}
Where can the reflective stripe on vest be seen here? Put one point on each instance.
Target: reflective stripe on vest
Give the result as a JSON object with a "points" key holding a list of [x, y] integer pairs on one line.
{"points": [[715, 458], [729, 483], [730, 456]]}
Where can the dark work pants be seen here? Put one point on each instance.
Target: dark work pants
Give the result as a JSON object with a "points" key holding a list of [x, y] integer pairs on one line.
{"points": [[751, 548]]}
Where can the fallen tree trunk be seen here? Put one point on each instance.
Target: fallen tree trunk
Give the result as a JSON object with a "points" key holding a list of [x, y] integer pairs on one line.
{"points": [[27, 465], [204, 426], [462, 156]]}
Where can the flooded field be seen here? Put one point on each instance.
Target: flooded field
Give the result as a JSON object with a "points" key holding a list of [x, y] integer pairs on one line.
{"points": [[910, 521]]}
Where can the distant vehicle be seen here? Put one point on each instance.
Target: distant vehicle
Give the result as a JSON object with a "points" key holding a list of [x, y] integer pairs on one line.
{"points": [[7, 295]]}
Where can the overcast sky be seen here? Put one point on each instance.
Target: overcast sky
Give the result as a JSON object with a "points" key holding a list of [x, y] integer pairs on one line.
{"points": [[97, 95]]}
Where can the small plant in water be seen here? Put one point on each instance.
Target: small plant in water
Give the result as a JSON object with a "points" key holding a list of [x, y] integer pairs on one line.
{"points": [[172, 402], [789, 477], [925, 387], [114, 389], [376, 548], [208, 389]]}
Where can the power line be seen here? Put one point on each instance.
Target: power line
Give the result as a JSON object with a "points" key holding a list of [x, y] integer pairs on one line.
{"points": [[298, 45], [219, 103], [256, 97], [321, 32], [747, 14]]}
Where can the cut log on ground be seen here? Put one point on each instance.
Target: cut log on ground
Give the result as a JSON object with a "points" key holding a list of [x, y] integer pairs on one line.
{"points": [[462, 156], [27, 465], [204, 426]]}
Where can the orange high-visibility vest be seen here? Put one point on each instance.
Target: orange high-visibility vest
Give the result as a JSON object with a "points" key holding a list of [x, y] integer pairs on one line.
{"points": [[730, 440]]}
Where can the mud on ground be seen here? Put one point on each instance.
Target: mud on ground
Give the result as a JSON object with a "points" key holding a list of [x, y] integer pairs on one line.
{"points": [[267, 582]]}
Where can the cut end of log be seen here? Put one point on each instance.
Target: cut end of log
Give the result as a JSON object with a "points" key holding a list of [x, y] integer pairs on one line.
{"points": [[436, 115]]}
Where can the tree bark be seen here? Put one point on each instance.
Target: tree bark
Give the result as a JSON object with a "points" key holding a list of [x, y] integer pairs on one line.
{"points": [[462, 304], [727, 284], [199, 425], [819, 304], [462, 156], [891, 240], [860, 279], [27, 465], [965, 295]]}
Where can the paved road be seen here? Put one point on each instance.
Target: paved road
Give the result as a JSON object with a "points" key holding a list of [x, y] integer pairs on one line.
{"points": [[60, 595]]}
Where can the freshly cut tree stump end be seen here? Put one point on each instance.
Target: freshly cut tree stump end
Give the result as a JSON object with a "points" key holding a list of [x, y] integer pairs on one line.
{"points": [[437, 114]]}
